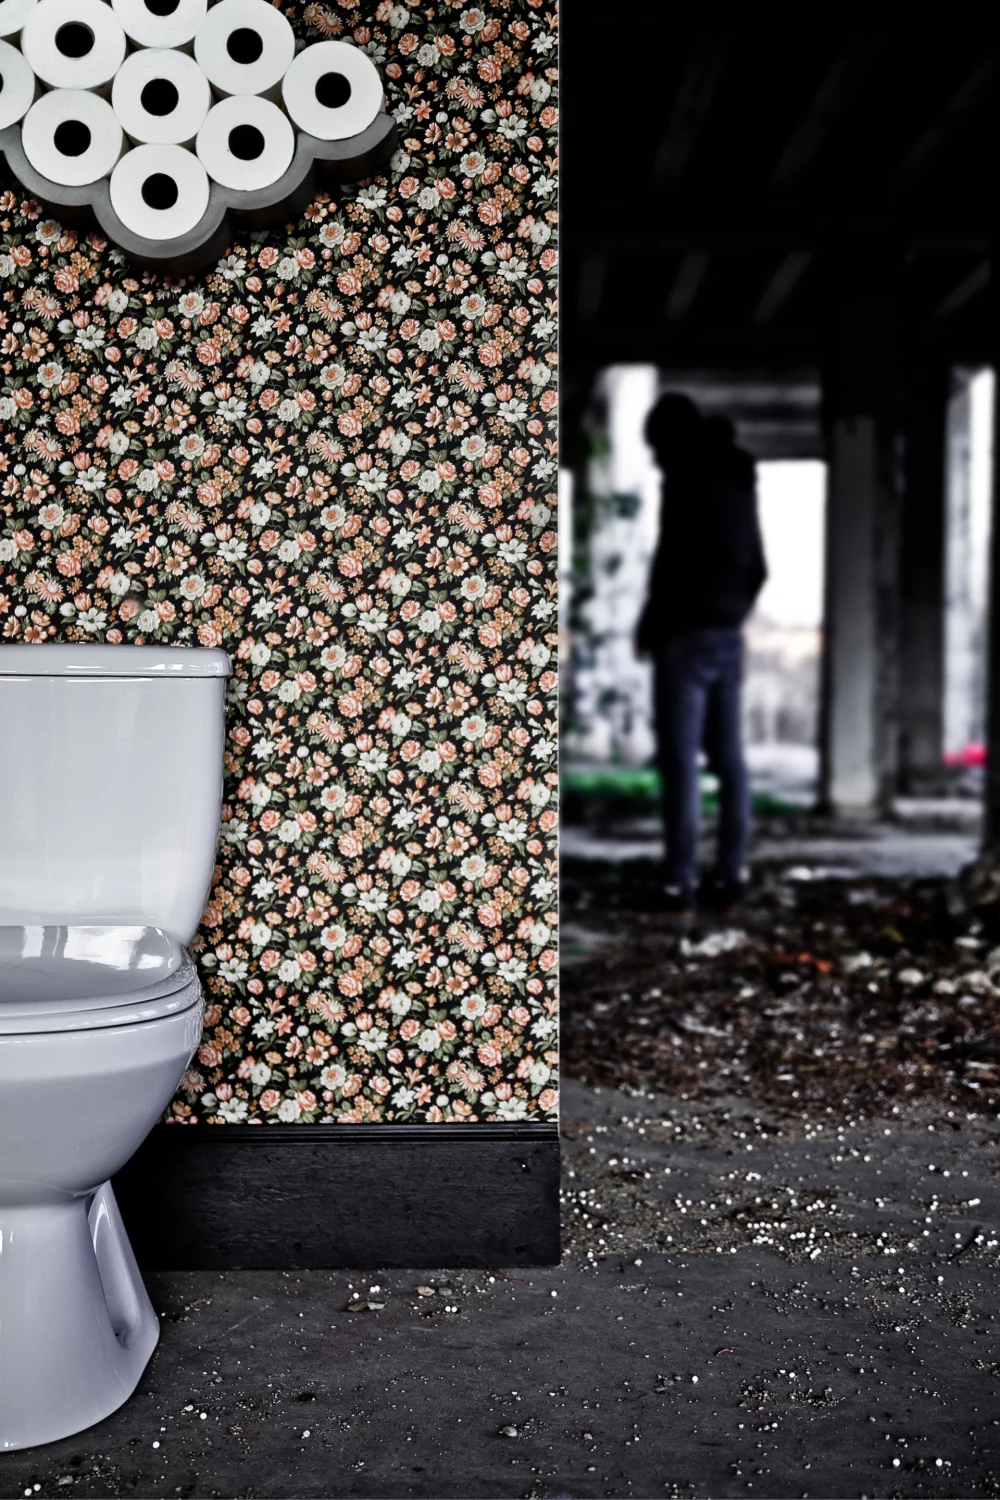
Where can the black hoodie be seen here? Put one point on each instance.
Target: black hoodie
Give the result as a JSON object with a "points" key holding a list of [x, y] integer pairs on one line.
{"points": [[709, 565]]}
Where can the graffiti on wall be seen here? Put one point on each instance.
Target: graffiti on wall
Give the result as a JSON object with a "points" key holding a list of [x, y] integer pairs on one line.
{"points": [[334, 456]]}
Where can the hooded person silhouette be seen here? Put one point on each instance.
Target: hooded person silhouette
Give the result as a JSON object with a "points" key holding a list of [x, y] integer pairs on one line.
{"points": [[707, 571]]}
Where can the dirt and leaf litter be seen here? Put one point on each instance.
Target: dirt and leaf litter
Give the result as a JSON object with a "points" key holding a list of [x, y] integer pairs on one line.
{"points": [[854, 995]]}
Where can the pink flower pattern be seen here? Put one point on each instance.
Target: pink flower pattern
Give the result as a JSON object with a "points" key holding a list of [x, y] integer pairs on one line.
{"points": [[334, 456]]}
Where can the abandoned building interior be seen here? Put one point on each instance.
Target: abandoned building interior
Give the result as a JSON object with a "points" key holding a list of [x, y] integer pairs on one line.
{"points": [[784, 213], [759, 1253]]}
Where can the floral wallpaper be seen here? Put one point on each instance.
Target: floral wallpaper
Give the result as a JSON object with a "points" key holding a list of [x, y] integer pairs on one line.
{"points": [[334, 456]]}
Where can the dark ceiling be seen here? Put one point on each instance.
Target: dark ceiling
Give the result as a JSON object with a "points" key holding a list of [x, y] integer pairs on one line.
{"points": [[715, 160]]}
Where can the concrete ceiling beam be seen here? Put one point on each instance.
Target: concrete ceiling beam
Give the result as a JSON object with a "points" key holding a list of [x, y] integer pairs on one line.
{"points": [[687, 284], [698, 90], [970, 286], [932, 144], [831, 102], [781, 285]]}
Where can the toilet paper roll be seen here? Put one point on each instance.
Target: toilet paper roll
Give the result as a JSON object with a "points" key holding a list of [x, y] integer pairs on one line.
{"points": [[18, 86], [73, 44], [160, 96], [71, 136], [332, 90], [246, 142], [158, 23], [159, 191], [243, 46], [13, 14]]}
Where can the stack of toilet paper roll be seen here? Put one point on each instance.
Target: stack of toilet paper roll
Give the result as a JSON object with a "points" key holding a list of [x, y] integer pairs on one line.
{"points": [[164, 101]]}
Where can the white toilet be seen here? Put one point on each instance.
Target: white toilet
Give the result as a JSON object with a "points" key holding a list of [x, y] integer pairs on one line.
{"points": [[110, 789]]}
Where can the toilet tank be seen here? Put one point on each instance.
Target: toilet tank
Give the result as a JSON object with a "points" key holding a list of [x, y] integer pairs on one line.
{"points": [[110, 784]]}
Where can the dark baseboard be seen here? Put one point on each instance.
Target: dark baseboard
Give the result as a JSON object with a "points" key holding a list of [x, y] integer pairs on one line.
{"points": [[328, 1196]]}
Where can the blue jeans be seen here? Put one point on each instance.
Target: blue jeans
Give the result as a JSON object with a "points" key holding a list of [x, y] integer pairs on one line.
{"points": [[699, 677]]}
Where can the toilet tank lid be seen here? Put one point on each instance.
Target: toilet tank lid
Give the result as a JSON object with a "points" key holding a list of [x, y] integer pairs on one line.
{"points": [[59, 659]]}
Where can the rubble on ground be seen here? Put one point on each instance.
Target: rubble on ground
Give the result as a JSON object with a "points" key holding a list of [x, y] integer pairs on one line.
{"points": [[856, 994]]}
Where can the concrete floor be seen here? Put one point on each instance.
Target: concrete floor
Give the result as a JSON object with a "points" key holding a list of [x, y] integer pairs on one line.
{"points": [[744, 1307], [917, 847]]}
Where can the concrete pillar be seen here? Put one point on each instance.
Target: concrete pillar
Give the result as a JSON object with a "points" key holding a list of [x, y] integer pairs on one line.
{"points": [[991, 810], [967, 565], [922, 581], [860, 668]]}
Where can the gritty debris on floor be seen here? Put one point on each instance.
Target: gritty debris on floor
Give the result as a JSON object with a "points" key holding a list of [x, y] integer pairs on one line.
{"points": [[742, 1309], [852, 994]]}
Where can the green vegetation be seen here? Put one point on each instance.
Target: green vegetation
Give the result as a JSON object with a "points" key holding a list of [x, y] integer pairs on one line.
{"points": [[634, 792]]}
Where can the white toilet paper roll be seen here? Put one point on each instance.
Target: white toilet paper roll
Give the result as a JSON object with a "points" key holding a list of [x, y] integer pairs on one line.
{"points": [[159, 23], [71, 136], [73, 44], [18, 86], [160, 95], [243, 46], [332, 90], [13, 14], [159, 191], [246, 142]]}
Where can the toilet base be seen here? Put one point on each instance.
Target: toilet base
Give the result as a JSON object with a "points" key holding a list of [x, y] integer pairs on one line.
{"points": [[76, 1325]]}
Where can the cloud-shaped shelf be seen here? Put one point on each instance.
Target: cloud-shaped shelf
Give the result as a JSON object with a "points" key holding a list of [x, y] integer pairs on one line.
{"points": [[164, 118]]}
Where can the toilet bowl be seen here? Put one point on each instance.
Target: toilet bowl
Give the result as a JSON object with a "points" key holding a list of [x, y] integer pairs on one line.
{"points": [[110, 786], [88, 1061]]}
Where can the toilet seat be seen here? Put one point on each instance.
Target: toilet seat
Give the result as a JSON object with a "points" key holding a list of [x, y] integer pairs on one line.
{"points": [[61, 979]]}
